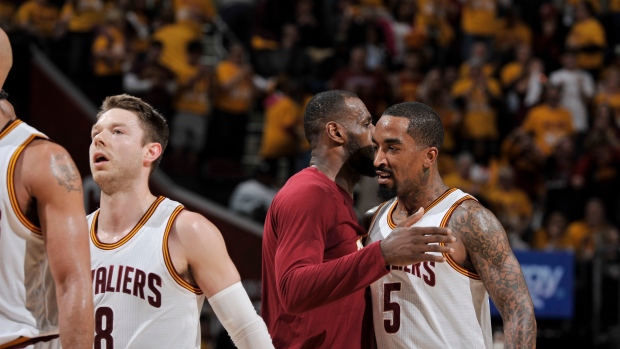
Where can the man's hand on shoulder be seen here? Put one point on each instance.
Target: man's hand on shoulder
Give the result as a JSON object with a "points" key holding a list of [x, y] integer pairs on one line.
{"points": [[407, 245]]}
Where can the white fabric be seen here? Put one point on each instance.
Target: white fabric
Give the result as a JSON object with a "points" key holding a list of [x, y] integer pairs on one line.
{"points": [[576, 84], [238, 316], [428, 305], [145, 305], [27, 292]]}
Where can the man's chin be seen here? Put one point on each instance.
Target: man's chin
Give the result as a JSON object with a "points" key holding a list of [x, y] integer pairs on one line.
{"points": [[386, 193]]}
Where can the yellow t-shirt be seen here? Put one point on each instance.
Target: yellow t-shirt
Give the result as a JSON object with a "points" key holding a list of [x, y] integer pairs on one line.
{"points": [[479, 121], [174, 38], [548, 125], [487, 69], [512, 202], [195, 98], [86, 17], [237, 100], [510, 73], [113, 40], [454, 180], [586, 33], [541, 239], [519, 34], [42, 17], [478, 17], [613, 100], [279, 133]]}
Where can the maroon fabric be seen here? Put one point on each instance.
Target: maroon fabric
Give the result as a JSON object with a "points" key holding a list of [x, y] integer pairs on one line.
{"points": [[313, 274]]}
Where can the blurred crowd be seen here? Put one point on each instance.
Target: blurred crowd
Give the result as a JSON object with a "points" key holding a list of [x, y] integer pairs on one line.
{"points": [[529, 93]]}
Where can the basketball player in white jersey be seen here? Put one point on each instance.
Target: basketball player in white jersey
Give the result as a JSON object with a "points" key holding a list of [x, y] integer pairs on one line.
{"points": [[440, 305], [44, 256], [153, 262]]}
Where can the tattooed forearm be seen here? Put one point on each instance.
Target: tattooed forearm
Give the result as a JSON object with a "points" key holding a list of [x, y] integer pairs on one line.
{"points": [[490, 253], [65, 172]]}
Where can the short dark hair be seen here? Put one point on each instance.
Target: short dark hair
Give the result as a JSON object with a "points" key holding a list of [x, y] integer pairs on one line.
{"points": [[153, 123], [322, 108], [424, 127]]}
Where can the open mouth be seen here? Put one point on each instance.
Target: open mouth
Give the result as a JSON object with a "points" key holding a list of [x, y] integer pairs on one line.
{"points": [[100, 159], [383, 176]]}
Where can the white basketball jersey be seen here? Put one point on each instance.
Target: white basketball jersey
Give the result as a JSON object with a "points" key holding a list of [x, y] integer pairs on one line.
{"points": [[28, 306], [429, 305], [140, 301]]}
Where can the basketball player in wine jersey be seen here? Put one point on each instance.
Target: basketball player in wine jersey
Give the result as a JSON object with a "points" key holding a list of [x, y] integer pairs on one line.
{"points": [[153, 262], [44, 259], [440, 305]]}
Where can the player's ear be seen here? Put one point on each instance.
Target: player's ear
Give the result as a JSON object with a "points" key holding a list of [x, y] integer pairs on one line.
{"points": [[152, 152], [431, 156], [335, 132]]}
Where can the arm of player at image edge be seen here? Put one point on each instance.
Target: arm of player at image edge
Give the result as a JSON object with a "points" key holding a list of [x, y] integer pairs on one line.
{"points": [[487, 244], [53, 179], [218, 278]]}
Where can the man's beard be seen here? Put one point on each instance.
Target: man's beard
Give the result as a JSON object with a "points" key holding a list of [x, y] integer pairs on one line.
{"points": [[361, 159], [386, 193]]}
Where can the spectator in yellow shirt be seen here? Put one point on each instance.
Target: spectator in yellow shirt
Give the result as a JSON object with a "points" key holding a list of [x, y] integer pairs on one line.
{"points": [[587, 38], [478, 95], [283, 118], [549, 122], [479, 56], [478, 22], [175, 37], [512, 32], [108, 56], [461, 178], [234, 99], [38, 18], [584, 236], [552, 236], [512, 206], [79, 19], [192, 103], [609, 91]]}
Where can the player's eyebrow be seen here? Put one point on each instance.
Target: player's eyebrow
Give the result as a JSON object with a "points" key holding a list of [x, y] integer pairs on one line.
{"points": [[392, 141]]}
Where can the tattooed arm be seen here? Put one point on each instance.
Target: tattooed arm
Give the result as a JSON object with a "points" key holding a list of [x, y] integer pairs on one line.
{"points": [[50, 177], [487, 247]]}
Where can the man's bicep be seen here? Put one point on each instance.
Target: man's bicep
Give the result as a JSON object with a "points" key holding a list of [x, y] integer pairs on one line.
{"points": [[207, 256], [490, 253], [301, 232], [57, 187]]}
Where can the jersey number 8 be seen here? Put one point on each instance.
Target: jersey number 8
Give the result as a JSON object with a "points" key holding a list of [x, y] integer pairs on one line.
{"points": [[103, 328]]}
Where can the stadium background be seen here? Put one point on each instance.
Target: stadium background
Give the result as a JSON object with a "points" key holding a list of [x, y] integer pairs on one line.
{"points": [[529, 93]]}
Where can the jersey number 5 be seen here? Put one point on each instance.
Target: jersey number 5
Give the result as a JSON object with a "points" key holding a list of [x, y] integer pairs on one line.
{"points": [[394, 307], [104, 320]]}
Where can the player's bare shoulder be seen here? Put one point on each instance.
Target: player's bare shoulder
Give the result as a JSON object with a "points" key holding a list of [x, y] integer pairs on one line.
{"points": [[479, 229], [195, 232], [48, 165]]}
